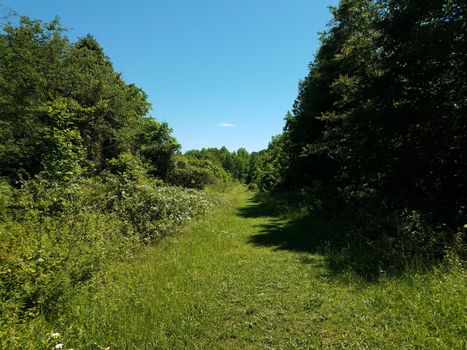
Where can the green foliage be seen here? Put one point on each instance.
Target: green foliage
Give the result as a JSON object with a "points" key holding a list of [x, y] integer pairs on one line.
{"points": [[235, 163], [64, 107], [54, 237], [378, 127], [62, 148], [151, 209], [239, 282], [241, 159], [191, 172], [265, 168], [127, 166], [154, 143]]}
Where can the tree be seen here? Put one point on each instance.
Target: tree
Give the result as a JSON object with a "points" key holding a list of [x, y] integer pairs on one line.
{"points": [[154, 142], [241, 159], [266, 168], [63, 106], [423, 94]]}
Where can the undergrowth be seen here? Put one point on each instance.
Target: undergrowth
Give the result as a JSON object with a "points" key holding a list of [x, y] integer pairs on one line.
{"points": [[362, 239], [54, 237], [242, 278]]}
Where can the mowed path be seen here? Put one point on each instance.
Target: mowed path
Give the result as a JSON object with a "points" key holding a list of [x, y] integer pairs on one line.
{"points": [[222, 285]]}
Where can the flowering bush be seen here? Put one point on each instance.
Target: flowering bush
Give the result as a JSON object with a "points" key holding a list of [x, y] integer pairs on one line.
{"points": [[152, 210], [52, 238]]}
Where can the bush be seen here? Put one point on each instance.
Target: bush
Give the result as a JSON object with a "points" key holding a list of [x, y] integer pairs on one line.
{"points": [[55, 237], [128, 166], [366, 238], [190, 172], [51, 240], [381, 242], [151, 209]]}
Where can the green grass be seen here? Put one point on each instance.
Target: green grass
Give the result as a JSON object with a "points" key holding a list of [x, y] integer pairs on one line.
{"points": [[216, 286]]}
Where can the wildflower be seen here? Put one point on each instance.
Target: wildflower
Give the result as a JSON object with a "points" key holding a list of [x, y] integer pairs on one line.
{"points": [[55, 335], [59, 346]]}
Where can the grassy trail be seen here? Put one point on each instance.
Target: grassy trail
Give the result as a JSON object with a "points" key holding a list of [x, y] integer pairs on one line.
{"points": [[212, 287]]}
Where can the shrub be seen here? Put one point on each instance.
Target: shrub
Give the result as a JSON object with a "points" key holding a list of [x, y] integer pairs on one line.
{"points": [[151, 209], [54, 237], [128, 166], [190, 172]]}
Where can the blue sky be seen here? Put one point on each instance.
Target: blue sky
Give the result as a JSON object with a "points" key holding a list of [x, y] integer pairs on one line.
{"points": [[219, 72]]}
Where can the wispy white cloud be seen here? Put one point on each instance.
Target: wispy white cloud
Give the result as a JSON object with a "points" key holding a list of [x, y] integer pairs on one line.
{"points": [[226, 125]]}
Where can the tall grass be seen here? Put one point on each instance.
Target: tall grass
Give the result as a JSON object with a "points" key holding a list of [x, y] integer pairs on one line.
{"points": [[55, 237], [237, 280]]}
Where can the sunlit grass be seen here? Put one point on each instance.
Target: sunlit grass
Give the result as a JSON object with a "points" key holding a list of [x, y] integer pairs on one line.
{"points": [[211, 288]]}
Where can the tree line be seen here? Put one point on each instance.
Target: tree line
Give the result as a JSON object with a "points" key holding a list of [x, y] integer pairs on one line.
{"points": [[379, 127], [65, 110]]}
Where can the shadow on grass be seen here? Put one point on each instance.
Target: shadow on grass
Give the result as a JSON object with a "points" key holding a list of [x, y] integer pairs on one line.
{"points": [[328, 235], [258, 206], [305, 233]]}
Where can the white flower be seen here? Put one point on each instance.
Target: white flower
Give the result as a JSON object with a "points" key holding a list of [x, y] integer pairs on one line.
{"points": [[55, 335], [59, 346]]}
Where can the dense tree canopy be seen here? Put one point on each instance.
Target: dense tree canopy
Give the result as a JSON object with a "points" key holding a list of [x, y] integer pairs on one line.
{"points": [[63, 107], [235, 163], [379, 127], [382, 113]]}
